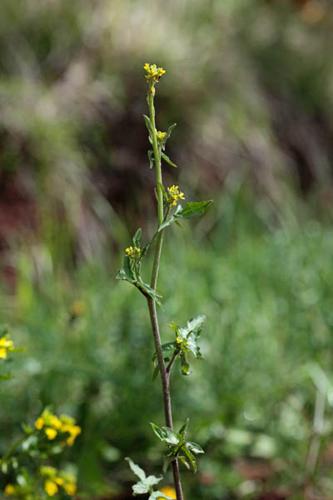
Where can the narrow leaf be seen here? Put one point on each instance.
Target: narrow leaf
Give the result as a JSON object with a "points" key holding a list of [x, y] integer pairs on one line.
{"points": [[183, 429], [170, 130], [148, 123], [191, 458], [194, 447], [168, 161], [151, 158], [140, 473], [137, 237], [185, 367], [165, 434]]}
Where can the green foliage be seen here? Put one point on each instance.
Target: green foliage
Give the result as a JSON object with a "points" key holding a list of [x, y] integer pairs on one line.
{"points": [[264, 280], [25, 472], [178, 446], [190, 209], [131, 270], [145, 484], [186, 342], [269, 294]]}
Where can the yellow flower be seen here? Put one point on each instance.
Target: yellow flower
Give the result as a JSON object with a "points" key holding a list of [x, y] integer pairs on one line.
{"points": [[153, 73], [39, 424], [73, 431], [174, 195], [54, 426], [50, 433], [66, 419], [6, 345], [70, 488], [161, 135], [10, 490], [133, 252], [54, 422], [169, 491], [56, 479], [51, 488]]}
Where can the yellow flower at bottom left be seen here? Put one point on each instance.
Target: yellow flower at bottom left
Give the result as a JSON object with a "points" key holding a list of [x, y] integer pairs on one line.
{"points": [[10, 490], [51, 488]]}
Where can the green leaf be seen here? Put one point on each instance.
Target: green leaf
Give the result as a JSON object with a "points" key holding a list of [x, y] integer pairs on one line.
{"points": [[185, 367], [155, 495], [128, 268], [194, 208], [190, 458], [191, 333], [183, 460], [190, 209], [151, 158], [170, 130], [165, 434], [148, 290], [146, 484], [192, 325], [183, 430], [137, 237], [140, 488], [148, 123], [168, 347], [168, 161], [152, 480], [194, 447], [140, 473]]}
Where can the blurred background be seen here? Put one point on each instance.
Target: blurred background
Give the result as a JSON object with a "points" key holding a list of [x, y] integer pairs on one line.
{"points": [[250, 86]]}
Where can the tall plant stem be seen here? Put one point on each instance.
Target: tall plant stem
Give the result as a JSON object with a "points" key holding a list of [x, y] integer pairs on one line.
{"points": [[165, 375]]}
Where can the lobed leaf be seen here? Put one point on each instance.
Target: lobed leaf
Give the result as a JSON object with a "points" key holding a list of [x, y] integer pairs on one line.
{"points": [[194, 208], [193, 325], [190, 209]]}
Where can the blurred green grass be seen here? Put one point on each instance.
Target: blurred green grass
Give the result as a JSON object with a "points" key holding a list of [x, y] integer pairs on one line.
{"points": [[267, 296], [249, 84]]}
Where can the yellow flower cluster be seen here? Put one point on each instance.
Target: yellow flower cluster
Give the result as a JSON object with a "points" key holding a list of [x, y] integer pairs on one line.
{"points": [[54, 480], [133, 252], [174, 195], [153, 73], [161, 135], [54, 426], [168, 491], [10, 490], [6, 345], [181, 342]]}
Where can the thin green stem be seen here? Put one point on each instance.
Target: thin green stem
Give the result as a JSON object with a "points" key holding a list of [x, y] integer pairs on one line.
{"points": [[165, 379], [157, 158]]}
